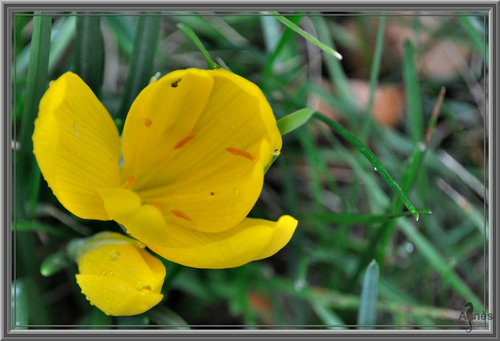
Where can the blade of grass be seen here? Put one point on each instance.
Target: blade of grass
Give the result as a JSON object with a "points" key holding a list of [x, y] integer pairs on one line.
{"points": [[89, 52], [165, 317], [474, 33], [430, 253], [141, 61], [371, 158], [19, 305], [358, 218], [374, 74], [335, 70], [306, 35], [54, 263], [367, 312], [285, 37], [35, 87], [294, 120], [327, 316], [210, 63], [36, 226], [415, 121], [98, 318]]}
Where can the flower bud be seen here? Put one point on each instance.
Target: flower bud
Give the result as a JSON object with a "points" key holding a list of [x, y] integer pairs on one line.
{"points": [[118, 276]]}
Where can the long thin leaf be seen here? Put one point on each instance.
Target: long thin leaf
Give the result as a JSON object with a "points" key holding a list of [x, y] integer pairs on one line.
{"points": [[306, 35], [35, 87], [89, 51], [371, 158], [141, 64], [368, 306]]}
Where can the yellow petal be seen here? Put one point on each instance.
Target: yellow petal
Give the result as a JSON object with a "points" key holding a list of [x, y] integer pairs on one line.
{"points": [[116, 297], [142, 221], [121, 279], [162, 114], [209, 177], [77, 146], [252, 239]]}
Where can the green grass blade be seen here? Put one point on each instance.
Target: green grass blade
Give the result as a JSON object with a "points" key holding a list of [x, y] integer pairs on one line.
{"points": [[374, 74], [368, 305], [89, 51], [141, 63], [335, 69], [19, 305], [430, 253], [415, 123], [285, 37], [210, 63], [165, 317], [61, 41], [327, 316], [54, 263], [36, 226], [359, 218], [99, 318], [294, 120], [35, 88], [371, 158], [306, 35], [473, 32]]}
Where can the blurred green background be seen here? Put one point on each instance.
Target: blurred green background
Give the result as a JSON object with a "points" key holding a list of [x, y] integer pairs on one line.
{"points": [[384, 92]]}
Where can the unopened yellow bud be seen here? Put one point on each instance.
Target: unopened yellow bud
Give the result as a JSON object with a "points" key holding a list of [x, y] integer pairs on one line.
{"points": [[121, 279]]}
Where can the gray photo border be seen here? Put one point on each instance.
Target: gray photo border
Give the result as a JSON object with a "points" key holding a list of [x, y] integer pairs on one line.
{"points": [[7, 10]]}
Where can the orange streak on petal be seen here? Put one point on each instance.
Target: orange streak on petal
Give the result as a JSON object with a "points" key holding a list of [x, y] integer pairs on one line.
{"points": [[180, 215], [240, 152], [183, 141], [157, 205], [131, 181], [147, 122]]}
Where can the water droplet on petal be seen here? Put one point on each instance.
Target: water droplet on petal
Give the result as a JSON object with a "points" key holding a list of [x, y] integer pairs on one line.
{"points": [[236, 191], [276, 152], [113, 254], [104, 272]]}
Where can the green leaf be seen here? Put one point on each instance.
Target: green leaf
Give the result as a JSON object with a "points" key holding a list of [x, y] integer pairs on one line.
{"points": [[415, 123], [35, 88], [98, 318], [165, 317], [141, 63], [19, 304], [285, 37], [294, 120], [53, 263], [368, 306], [210, 63], [371, 158], [306, 35], [36, 226], [89, 51], [359, 218]]}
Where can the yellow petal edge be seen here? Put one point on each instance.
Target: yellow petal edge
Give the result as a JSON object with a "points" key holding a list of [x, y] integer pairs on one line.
{"points": [[121, 279], [250, 240]]}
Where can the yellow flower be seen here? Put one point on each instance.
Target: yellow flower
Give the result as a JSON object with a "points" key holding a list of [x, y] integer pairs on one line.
{"points": [[195, 144], [119, 277]]}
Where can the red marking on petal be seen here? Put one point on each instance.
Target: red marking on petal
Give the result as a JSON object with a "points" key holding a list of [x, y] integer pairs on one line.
{"points": [[212, 193], [240, 152], [180, 215], [147, 122], [183, 141], [158, 207]]}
